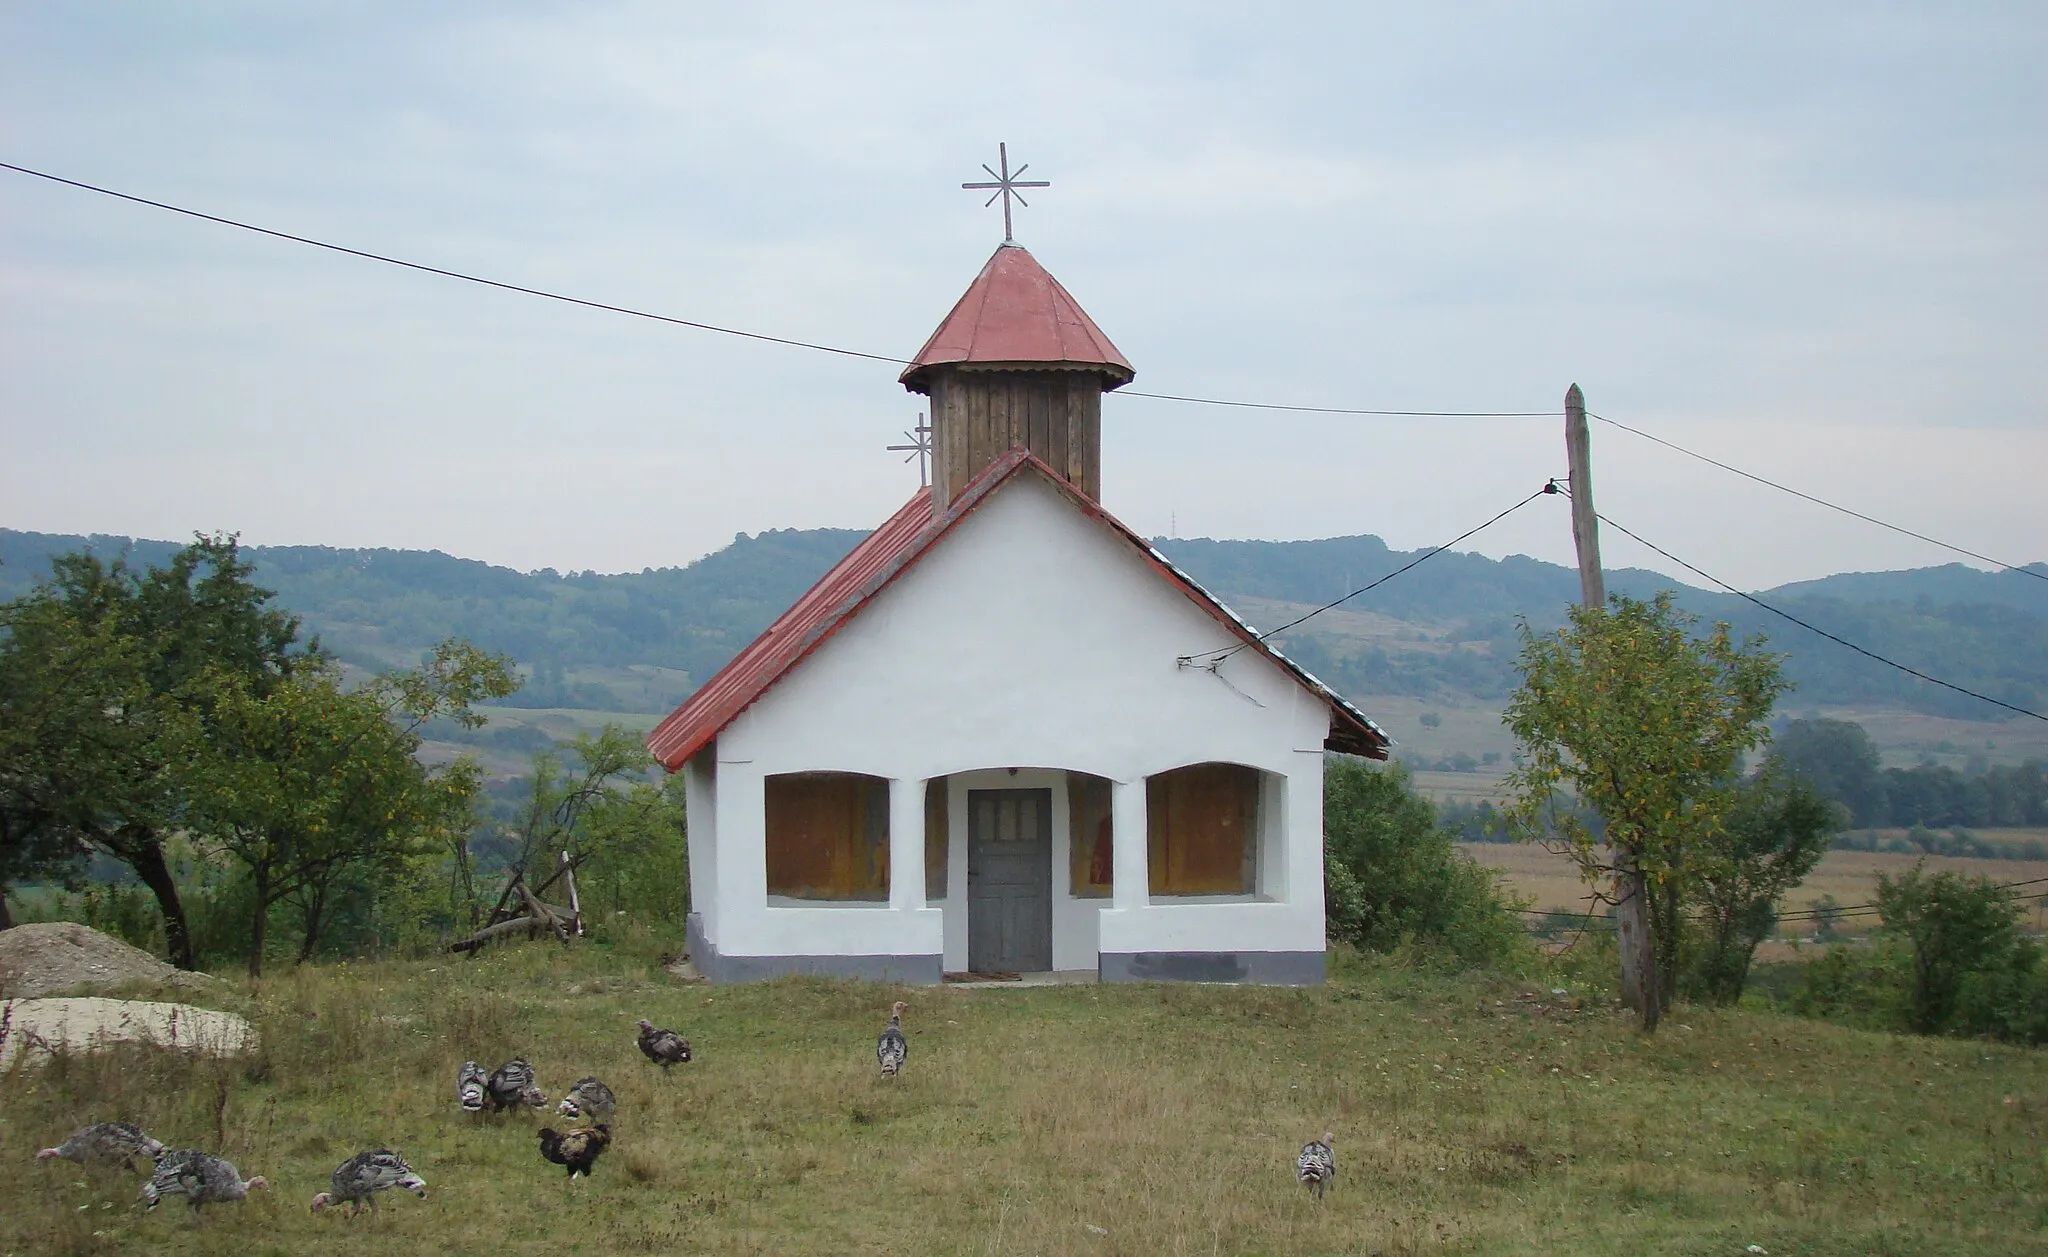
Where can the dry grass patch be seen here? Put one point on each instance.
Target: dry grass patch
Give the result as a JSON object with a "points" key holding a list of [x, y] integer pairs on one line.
{"points": [[1551, 881], [1473, 1114]]}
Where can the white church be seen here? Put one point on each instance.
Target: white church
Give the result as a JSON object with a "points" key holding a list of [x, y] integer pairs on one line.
{"points": [[1004, 735]]}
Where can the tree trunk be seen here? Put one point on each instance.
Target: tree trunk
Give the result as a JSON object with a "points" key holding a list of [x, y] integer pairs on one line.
{"points": [[259, 927], [1664, 914], [314, 908], [147, 859], [6, 918], [1640, 989]]}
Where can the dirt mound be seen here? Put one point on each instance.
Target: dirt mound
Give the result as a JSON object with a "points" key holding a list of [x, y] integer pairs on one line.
{"points": [[49, 957]]}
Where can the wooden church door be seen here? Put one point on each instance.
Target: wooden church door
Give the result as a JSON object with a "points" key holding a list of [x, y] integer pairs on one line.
{"points": [[1009, 881]]}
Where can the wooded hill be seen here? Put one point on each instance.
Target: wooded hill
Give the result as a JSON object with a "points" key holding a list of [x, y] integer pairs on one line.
{"points": [[639, 642]]}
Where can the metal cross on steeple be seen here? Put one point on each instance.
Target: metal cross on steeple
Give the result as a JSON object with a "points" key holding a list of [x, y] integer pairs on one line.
{"points": [[920, 447], [1006, 185]]}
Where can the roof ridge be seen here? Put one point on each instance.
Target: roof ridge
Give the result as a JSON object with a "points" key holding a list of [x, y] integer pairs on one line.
{"points": [[893, 548]]}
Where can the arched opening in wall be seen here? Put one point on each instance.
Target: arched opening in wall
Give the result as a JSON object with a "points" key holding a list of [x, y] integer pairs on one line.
{"points": [[1205, 830], [1091, 859], [828, 837]]}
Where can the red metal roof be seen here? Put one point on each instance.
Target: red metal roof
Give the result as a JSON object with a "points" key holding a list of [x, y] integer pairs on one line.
{"points": [[889, 551], [1016, 314]]}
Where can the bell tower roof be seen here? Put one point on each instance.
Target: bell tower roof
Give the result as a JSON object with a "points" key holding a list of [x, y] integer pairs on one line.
{"points": [[1017, 315]]}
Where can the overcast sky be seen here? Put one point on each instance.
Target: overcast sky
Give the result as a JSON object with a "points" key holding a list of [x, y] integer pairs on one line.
{"points": [[1806, 239]]}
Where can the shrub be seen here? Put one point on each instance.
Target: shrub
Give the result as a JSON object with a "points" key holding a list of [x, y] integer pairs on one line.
{"points": [[1957, 926], [1950, 961], [1865, 986], [1391, 876]]}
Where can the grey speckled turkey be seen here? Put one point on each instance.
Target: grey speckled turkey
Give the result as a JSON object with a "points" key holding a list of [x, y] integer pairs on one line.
{"points": [[365, 1174], [891, 1050], [511, 1085], [470, 1086], [589, 1098], [1316, 1167], [578, 1149], [200, 1177], [662, 1046], [108, 1143]]}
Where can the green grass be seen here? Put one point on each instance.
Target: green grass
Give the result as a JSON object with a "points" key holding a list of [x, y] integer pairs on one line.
{"points": [[1474, 1114]]}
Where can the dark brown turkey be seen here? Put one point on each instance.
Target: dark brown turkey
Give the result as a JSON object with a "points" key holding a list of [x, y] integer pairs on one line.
{"points": [[578, 1149], [662, 1046]]}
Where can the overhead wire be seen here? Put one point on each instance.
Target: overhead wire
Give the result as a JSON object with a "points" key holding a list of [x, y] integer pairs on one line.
{"points": [[446, 273], [819, 347], [1820, 501], [1345, 410], [699, 325], [1816, 629], [1226, 652], [1835, 912]]}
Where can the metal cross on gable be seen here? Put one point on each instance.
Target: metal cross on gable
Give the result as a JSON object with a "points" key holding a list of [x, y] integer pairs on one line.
{"points": [[1006, 185], [920, 447]]}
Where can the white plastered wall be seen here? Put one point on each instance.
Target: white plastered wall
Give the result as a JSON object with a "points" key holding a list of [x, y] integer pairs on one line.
{"points": [[1030, 637]]}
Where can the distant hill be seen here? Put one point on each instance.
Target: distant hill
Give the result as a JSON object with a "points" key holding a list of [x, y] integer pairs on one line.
{"points": [[1953, 584], [640, 642]]}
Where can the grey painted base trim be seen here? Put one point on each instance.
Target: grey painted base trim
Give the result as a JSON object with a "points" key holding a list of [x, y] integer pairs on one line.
{"points": [[917, 970], [1256, 968]]}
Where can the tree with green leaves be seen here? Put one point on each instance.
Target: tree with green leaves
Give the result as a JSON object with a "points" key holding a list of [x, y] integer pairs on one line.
{"points": [[1392, 875], [1624, 711], [59, 682], [622, 833], [1957, 927], [1778, 827], [108, 662], [1841, 761], [307, 782]]}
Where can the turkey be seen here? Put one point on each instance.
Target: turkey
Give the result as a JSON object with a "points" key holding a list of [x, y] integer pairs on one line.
{"points": [[470, 1083], [365, 1174], [891, 1049], [589, 1098], [106, 1142], [200, 1177], [512, 1085], [663, 1047], [579, 1149], [1316, 1167]]}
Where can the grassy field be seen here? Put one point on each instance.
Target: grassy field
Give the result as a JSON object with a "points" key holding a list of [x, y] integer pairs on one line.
{"points": [[1850, 876], [1474, 1114]]}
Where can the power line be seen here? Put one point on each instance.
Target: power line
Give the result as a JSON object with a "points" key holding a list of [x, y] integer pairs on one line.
{"points": [[1228, 651], [699, 325], [506, 286], [1820, 501], [1811, 628], [448, 274], [1346, 410]]}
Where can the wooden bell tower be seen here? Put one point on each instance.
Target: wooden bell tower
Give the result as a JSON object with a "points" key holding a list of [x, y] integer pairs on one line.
{"points": [[1017, 364]]}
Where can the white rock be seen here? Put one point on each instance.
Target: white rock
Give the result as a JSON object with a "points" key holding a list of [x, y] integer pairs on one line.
{"points": [[82, 1025]]}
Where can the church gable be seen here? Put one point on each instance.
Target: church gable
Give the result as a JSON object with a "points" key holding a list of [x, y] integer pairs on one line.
{"points": [[1064, 570]]}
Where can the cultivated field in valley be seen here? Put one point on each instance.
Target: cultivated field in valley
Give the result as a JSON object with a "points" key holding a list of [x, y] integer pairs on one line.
{"points": [[1551, 881]]}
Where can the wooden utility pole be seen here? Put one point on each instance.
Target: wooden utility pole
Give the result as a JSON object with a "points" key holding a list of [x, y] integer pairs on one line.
{"points": [[1639, 987]]}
